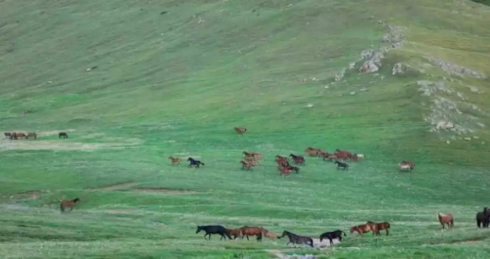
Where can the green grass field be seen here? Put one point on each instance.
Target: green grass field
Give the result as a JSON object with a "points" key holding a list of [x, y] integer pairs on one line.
{"points": [[177, 83]]}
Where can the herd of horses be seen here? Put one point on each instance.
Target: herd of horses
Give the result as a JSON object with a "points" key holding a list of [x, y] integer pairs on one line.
{"points": [[29, 135]]}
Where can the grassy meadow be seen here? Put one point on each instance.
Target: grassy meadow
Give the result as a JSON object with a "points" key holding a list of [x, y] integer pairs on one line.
{"points": [[174, 77]]}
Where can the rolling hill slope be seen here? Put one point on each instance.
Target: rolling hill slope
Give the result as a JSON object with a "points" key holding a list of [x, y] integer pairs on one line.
{"points": [[133, 82]]}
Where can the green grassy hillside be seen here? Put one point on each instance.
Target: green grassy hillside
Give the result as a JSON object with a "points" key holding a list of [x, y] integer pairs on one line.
{"points": [[133, 82]]}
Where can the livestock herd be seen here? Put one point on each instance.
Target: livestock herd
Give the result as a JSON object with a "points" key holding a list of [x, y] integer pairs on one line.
{"points": [[285, 165]]}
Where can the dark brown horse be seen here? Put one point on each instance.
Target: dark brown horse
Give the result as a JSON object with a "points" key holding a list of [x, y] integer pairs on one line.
{"points": [[247, 231], [175, 160], [297, 239], [62, 135], [483, 218], [377, 227], [32, 135], [297, 159], [68, 204], [361, 229], [445, 219], [240, 130]]}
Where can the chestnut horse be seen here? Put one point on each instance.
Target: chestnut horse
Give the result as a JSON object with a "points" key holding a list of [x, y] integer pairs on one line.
{"points": [[234, 233], [283, 170], [68, 204], [361, 229], [247, 231], [240, 130], [174, 160], [246, 165], [445, 219], [312, 151], [376, 227]]}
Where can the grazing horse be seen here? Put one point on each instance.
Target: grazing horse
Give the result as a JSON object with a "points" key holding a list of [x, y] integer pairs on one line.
{"points": [[483, 218], [174, 160], [246, 165], [213, 229], [445, 219], [376, 227], [62, 135], [296, 239], [247, 231], [312, 151], [68, 204], [332, 235], [234, 233], [240, 130], [297, 159], [361, 229], [32, 135], [193, 162], [342, 165]]}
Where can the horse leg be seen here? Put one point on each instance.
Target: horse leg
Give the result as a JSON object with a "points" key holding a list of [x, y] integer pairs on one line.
{"points": [[478, 223], [222, 236], [330, 239], [387, 232], [247, 238]]}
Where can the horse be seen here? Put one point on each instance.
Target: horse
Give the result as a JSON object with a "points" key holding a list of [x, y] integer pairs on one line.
{"points": [[234, 233], [246, 165], [174, 160], [404, 167], [284, 171], [361, 229], [240, 130], [445, 219], [296, 239], [62, 135], [293, 168], [213, 229], [312, 151], [376, 227], [281, 159], [359, 156], [18, 135], [193, 162], [483, 218], [68, 204], [342, 165], [7, 135], [32, 135], [247, 231], [409, 163], [332, 235], [252, 161], [297, 159], [253, 155]]}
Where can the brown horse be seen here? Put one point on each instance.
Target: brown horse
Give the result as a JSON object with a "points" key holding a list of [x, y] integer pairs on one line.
{"points": [[297, 159], [68, 204], [376, 227], [252, 161], [247, 231], [445, 219], [240, 130], [175, 160], [281, 159], [32, 135], [234, 233], [253, 155], [312, 151], [284, 171], [7, 135], [361, 229], [246, 165], [18, 135]]}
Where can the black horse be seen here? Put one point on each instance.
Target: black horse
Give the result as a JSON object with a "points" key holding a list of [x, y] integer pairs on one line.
{"points": [[213, 229], [62, 135], [332, 235], [483, 218], [194, 162], [342, 165], [295, 239]]}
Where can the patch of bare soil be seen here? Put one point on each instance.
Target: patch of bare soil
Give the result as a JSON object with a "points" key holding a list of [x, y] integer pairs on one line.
{"points": [[164, 190], [116, 186], [29, 195], [56, 145]]}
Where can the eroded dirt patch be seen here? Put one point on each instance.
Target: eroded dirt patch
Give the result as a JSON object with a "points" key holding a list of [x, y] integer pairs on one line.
{"points": [[164, 190], [116, 186], [28, 195]]}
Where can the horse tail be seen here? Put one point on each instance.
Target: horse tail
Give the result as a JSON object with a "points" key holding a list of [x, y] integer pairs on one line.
{"points": [[344, 233]]}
